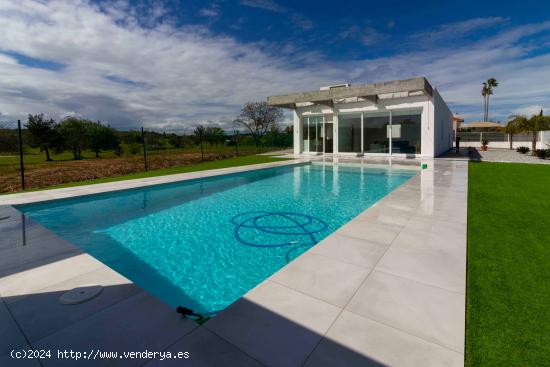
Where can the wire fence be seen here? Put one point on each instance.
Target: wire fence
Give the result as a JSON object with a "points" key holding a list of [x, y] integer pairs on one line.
{"points": [[13, 143], [9, 126]]}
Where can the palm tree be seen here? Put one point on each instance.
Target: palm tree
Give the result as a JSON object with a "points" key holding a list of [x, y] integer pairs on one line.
{"points": [[486, 92], [535, 124]]}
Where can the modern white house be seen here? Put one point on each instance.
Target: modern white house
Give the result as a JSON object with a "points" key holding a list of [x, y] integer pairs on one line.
{"points": [[398, 118]]}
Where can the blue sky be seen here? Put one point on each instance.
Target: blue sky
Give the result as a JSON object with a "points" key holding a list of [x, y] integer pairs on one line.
{"points": [[170, 65]]}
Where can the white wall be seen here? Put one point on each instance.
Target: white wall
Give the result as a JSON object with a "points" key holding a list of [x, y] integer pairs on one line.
{"points": [[545, 139], [503, 144], [297, 133], [436, 129], [443, 125]]}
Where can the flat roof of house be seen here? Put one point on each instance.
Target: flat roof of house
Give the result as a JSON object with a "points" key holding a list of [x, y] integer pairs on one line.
{"points": [[366, 91]]}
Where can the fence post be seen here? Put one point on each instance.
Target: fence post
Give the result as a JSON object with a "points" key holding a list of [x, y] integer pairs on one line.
{"points": [[144, 148], [21, 163]]}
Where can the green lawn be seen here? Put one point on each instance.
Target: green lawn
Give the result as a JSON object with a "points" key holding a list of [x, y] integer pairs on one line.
{"points": [[34, 156], [222, 163], [508, 297]]}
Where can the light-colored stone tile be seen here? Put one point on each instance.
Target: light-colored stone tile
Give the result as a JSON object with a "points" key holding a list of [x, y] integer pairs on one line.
{"points": [[41, 314], [351, 250], [383, 214], [321, 277], [140, 323], [205, 349], [437, 226], [374, 232], [41, 244], [275, 324], [431, 313], [357, 341], [431, 267], [32, 280], [451, 243]]}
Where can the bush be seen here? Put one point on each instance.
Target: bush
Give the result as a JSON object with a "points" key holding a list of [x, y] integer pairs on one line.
{"points": [[542, 153], [485, 142], [522, 150]]}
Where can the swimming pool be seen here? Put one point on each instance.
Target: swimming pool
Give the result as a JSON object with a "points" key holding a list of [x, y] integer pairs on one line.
{"points": [[204, 243]]}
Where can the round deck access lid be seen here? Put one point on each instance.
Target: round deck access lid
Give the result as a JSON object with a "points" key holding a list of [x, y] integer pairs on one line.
{"points": [[80, 294]]}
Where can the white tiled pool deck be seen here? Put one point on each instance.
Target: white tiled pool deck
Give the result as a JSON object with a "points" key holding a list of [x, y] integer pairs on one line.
{"points": [[387, 288]]}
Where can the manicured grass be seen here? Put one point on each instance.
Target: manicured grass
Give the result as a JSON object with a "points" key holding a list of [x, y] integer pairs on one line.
{"points": [[222, 163], [508, 297]]}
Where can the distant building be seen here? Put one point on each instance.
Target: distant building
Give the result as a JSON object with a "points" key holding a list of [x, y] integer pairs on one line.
{"points": [[457, 121], [481, 126]]}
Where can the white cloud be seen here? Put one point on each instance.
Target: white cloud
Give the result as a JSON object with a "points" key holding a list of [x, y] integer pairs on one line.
{"points": [[530, 110], [211, 12], [269, 5], [130, 75], [449, 31], [130, 71]]}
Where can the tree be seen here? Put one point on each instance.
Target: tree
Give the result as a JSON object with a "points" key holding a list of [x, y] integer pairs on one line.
{"points": [[486, 92], [101, 137], [258, 118], [75, 135], [533, 125], [513, 127], [199, 134], [43, 133]]}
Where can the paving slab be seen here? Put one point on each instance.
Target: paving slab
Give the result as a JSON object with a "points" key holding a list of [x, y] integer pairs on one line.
{"points": [[33, 280], [8, 361], [418, 309], [17, 250], [205, 349], [350, 250], [41, 313], [355, 341], [8, 327], [374, 232], [275, 324], [139, 323], [435, 268], [327, 279]]}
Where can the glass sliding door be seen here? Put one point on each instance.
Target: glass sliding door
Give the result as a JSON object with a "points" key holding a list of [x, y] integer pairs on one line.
{"points": [[328, 134], [312, 130], [315, 134], [376, 133], [406, 131], [349, 133]]}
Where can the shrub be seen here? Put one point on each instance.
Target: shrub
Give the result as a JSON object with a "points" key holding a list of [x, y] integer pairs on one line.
{"points": [[542, 153], [522, 150], [485, 142]]}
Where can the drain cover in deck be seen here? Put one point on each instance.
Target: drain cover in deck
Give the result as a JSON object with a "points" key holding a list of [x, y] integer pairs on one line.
{"points": [[80, 294]]}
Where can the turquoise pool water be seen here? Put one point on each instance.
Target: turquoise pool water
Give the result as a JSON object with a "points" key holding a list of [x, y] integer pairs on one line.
{"points": [[204, 243]]}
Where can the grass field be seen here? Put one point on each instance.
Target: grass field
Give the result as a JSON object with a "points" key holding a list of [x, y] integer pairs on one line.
{"points": [[9, 161], [508, 297], [63, 170], [222, 163]]}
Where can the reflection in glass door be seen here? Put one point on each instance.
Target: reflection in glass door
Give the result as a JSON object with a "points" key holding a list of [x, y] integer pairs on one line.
{"points": [[375, 133], [329, 137]]}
